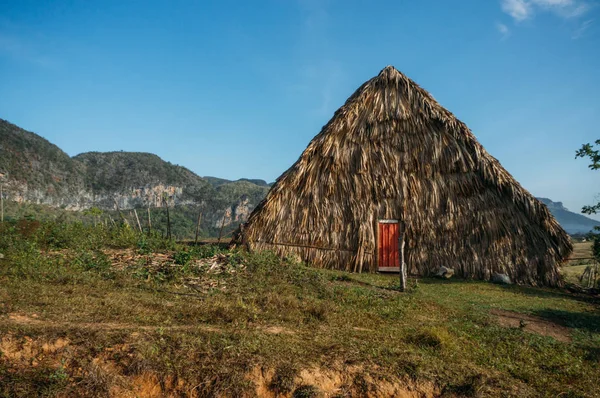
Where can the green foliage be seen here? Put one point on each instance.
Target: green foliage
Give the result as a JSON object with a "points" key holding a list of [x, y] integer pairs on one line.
{"points": [[182, 257], [89, 260], [213, 329], [206, 251], [593, 155]]}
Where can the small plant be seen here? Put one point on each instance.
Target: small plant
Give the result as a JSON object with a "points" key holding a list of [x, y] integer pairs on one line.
{"points": [[306, 391], [316, 311], [283, 379], [206, 251], [340, 278], [143, 246], [182, 257], [433, 338], [92, 260]]}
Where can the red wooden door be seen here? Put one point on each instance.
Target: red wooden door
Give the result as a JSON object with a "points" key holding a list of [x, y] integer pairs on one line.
{"points": [[387, 245]]}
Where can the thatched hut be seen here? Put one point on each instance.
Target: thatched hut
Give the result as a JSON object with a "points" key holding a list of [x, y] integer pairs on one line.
{"points": [[392, 159]]}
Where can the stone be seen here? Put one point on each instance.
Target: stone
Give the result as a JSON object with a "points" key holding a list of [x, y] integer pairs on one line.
{"points": [[501, 279], [445, 272], [1, 256]]}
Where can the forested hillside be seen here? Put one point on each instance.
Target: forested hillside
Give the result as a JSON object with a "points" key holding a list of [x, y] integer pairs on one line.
{"points": [[36, 172]]}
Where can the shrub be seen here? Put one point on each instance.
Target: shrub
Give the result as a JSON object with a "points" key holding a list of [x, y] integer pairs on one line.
{"points": [[283, 379], [182, 257]]}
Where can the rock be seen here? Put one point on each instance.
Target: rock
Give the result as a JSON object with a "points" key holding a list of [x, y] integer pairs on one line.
{"points": [[501, 279], [1, 256], [445, 272]]}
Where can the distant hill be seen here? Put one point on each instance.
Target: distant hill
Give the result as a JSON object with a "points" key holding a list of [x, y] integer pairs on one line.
{"points": [[216, 182], [572, 222], [35, 171]]}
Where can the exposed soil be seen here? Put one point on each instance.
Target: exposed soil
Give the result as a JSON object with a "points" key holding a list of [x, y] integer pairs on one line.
{"points": [[104, 374], [342, 381], [21, 319], [532, 324]]}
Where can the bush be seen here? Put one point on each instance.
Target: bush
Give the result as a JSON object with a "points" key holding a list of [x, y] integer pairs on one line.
{"points": [[206, 251], [182, 257], [92, 261]]}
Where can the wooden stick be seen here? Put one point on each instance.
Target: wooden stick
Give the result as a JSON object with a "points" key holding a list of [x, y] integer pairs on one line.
{"points": [[222, 225], [168, 217], [402, 264], [121, 214], [149, 222], [138, 221], [198, 226]]}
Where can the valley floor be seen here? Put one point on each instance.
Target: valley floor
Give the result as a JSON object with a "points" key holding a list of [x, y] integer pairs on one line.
{"points": [[205, 322]]}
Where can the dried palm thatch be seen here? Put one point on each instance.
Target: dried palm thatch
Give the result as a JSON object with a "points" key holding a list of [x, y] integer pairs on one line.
{"points": [[392, 151]]}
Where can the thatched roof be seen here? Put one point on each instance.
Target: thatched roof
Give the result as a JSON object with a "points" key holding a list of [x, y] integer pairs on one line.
{"points": [[392, 151]]}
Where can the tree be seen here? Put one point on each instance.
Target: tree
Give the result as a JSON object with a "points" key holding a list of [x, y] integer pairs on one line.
{"points": [[94, 212], [589, 151]]}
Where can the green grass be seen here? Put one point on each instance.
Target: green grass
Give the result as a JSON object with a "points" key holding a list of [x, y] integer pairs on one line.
{"points": [[125, 323]]}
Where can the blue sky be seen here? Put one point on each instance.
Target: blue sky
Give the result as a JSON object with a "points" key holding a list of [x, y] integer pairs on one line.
{"points": [[238, 88]]}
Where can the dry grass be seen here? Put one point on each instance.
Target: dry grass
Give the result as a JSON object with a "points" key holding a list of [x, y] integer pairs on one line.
{"points": [[393, 152]]}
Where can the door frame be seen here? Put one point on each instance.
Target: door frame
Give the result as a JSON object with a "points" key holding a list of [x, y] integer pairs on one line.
{"points": [[384, 221]]}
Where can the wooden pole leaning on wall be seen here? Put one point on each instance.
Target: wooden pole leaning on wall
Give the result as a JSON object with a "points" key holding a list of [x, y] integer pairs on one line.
{"points": [[401, 239]]}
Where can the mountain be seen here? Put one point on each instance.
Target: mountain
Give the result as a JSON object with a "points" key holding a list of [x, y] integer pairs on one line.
{"points": [[572, 222], [216, 181], [35, 171]]}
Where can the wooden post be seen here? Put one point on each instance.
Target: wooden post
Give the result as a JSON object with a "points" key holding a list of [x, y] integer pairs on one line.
{"points": [[138, 220], [149, 222], [401, 254], [121, 214], [221, 230], [168, 217], [1, 204], [198, 226]]}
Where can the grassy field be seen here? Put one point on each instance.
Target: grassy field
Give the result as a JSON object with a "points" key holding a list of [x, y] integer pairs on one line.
{"points": [[95, 316], [580, 260]]}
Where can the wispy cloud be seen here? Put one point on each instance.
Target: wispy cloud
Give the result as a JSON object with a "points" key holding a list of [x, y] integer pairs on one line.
{"points": [[582, 29], [518, 9], [521, 10], [503, 29]]}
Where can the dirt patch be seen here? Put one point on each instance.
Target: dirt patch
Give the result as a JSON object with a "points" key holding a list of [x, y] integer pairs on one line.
{"points": [[22, 319], [277, 330], [532, 324], [27, 352], [342, 381]]}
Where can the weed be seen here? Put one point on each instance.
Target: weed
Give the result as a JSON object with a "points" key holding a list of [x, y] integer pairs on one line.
{"points": [[434, 338], [283, 380], [340, 278], [306, 391], [182, 257]]}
